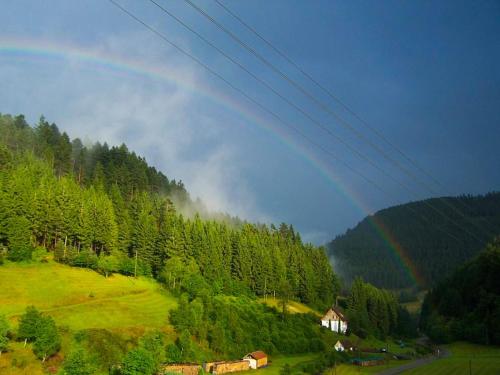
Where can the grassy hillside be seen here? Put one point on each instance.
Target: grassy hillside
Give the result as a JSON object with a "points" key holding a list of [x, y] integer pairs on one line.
{"points": [[434, 245], [78, 299], [484, 360], [293, 307], [81, 298]]}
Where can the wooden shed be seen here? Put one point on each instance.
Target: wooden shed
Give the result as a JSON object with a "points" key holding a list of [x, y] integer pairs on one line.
{"points": [[181, 368], [230, 366], [256, 359]]}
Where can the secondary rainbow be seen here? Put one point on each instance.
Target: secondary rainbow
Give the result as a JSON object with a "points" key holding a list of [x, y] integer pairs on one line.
{"points": [[102, 60]]}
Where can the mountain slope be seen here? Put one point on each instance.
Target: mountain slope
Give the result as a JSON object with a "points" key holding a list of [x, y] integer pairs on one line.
{"points": [[431, 245]]}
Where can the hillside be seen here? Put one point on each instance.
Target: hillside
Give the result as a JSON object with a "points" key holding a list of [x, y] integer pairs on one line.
{"points": [[82, 299], [113, 310], [430, 245], [466, 305]]}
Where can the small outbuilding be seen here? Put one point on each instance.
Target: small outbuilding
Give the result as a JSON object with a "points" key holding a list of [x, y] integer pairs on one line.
{"points": [[334, 320], [181, 368], [344, 346], [256, 359]]}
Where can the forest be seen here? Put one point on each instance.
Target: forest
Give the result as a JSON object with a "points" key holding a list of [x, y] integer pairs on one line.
{"points": [[466, 305], [105, 209], [431, 243]]}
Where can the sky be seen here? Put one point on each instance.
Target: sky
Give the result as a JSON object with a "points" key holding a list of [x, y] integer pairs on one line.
{"points": [[424, 74]]}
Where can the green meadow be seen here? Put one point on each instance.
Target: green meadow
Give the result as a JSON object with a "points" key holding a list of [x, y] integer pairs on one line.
{"points": [[465, 359], [78, 299], [277, 363], [293, 307]]}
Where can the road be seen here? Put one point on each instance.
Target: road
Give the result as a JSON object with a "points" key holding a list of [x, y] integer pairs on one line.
{"points": [[419, 362]]}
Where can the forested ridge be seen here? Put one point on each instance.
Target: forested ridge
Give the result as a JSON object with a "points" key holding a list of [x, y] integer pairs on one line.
{"points": [[435, 246], [105, 208], [466, 305]]}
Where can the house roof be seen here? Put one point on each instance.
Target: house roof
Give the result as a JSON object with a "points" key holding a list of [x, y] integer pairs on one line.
{"points": [[339, 313], [259, 354], [333, 313]]}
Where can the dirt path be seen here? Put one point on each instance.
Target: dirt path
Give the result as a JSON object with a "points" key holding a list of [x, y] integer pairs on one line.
{"points": [[419, 362]]}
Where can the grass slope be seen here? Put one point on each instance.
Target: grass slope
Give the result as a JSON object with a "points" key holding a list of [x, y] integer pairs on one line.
{"points": [[77, 299], [277, 363], [484, 360], [293, 307], [81, 298]]}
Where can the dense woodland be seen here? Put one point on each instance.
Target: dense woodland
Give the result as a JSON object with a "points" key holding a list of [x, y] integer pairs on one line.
{"points": [[376, 312], [105, 208], [434, 245], [466, 306]]}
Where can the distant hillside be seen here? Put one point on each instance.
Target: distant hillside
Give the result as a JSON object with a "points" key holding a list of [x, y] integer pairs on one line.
{"points": [[466, 305], [432, 245]]}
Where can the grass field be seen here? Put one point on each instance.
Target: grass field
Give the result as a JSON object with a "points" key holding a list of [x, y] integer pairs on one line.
{"points": [[292, 306], [415, 306], [77, 299], [279, 361], [483, 360], [346, 369], [81, 298]]}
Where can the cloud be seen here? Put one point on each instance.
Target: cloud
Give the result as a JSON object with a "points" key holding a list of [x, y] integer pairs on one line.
{"points": [[174, 128], [316, 237]]}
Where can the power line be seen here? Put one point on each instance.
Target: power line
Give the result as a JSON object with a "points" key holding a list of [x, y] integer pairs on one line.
{"points": [[324, 89], [326, 108], [298, 108], [266, 109], [348, 109]]}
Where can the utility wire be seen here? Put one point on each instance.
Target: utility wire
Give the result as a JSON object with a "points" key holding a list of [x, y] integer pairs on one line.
{"points": [[349, 110], [301, 110], [269, 111], [327, 109]]}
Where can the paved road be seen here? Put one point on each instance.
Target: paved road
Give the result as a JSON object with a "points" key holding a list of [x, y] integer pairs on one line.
{"points": [[419, 362]]}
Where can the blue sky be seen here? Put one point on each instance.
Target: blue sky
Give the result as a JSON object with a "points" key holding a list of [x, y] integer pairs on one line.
{"points": [[425, 74]]}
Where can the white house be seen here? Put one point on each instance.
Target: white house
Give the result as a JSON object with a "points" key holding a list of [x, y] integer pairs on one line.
{"points": [[344, 345], [334, 320]]}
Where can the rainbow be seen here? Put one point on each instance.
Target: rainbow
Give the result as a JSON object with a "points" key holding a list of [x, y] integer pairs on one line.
{"points": [[101, 60]]}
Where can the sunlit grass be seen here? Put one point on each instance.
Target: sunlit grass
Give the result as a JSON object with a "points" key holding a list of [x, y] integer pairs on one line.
{"points": [[465, 359], [293, 307], [81, 298]]}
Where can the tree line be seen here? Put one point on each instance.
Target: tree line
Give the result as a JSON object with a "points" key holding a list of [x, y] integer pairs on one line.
{"points": [[114, 213], [466, 305], [434, 246], [377, 312]]}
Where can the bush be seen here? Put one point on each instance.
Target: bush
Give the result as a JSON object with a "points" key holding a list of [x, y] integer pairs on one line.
{"points": [[39, 255], [85, 259], [78, 363], [138, 362]]}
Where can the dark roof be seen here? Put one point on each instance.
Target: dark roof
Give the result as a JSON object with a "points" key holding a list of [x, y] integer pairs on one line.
{"points": [[339, 313], [347, 344], [259, 354]]}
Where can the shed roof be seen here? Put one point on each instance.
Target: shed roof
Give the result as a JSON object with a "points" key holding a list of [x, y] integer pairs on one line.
{"points": [[259, 354]]}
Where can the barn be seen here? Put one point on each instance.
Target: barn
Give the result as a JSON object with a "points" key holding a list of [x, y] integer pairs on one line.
{"points": [[256, 359]]}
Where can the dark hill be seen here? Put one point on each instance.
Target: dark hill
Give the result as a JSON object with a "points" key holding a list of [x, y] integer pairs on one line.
{"points": [[432, 245]]}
